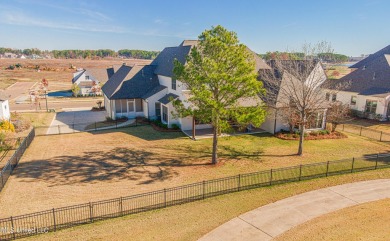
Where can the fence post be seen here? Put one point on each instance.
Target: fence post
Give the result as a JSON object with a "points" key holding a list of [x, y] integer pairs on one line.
{"points": [[239, 182], [95, 126], [343, 126], [361, 128], [121, 205], [300, 172], [204, 188], [54, 220], [270, 178], [73, 127], [2, 181], [165, 197], [59, 130], [90, 212], [13, 228], [376, 162], [327, 168], [353, 163], [380, 138], [116, 124]]}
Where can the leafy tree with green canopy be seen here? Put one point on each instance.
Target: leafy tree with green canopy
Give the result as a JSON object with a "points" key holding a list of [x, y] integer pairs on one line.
{"points": [[220, 76]]}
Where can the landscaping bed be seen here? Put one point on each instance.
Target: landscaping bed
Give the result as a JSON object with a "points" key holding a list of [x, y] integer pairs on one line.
{"points": [[313, 135]]}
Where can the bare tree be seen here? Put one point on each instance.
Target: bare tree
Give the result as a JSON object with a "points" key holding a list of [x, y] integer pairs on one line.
{"points": [[295, 88], [337, 113]]}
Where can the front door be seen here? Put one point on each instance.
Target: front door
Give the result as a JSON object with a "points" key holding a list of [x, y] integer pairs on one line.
{"points": [[130, 108]]}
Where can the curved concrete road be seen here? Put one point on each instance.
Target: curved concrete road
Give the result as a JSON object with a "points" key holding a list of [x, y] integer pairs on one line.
{"points": [[269, 221]]}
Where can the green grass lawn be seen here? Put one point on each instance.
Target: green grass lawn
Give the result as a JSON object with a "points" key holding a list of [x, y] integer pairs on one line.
{"points": [[193, 220]]}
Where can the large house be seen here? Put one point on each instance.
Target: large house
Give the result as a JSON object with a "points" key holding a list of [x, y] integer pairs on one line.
{"points": [[89, 80], [148, 90], [368, 87]]}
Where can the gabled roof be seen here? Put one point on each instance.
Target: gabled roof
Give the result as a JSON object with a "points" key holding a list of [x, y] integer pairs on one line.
{"points": [[98, 75], [372, 76], [371, 57], [164, 61], [168, 98], [130, 82], [272, 78]]}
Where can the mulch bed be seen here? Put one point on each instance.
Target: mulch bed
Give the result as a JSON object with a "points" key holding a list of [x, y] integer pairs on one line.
{"points": [[332, 135], [157, 128]]}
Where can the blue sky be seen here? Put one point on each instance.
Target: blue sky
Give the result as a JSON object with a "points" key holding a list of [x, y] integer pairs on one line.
{"points": [[353, 27]]}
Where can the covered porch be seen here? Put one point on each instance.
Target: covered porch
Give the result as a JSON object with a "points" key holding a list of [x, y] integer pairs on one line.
{"points": [[129, 108]]}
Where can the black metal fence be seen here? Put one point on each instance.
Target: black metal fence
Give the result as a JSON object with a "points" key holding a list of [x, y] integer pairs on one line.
{"points": [[14, 160], [59, 218], [84, 127], [366, 132]]}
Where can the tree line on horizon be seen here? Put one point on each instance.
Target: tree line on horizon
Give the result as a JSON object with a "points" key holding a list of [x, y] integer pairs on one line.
{"points": [[325, 57], [84, 54]]}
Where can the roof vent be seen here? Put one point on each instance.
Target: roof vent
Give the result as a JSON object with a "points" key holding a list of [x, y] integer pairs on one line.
{"points": [[373, 77], [364, 67]]}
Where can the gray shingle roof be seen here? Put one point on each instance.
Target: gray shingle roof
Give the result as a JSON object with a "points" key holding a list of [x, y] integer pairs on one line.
{"points": [[154, 91], [168, 98], [131, 82], [371, 57], [99, 75], [164, 61], [372, 76]]}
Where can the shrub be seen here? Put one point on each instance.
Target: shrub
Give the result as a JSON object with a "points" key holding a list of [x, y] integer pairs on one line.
{"points": [[323, 132], [108, 118], [314, 133], [6, 125], [175, 127]]}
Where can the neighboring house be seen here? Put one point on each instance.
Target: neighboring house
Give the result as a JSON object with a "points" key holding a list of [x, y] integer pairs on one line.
{"points": [[10, 55], [277, 100], [367, 88], [88, 79], [5, 113], [148, 90]]}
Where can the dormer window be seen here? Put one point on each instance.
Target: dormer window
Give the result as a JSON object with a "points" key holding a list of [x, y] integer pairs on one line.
{"points": [[174, 84]]}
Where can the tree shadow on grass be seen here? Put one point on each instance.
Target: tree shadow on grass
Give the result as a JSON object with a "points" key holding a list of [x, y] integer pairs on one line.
{"points": [[140, 166], [145, 132]]}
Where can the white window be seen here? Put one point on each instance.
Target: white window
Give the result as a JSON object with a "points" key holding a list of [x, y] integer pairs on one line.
{"points": [[165, 114]]}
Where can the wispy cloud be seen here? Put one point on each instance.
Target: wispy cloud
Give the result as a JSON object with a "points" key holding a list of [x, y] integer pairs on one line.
{"points": [[19, 18], [76, 10], [289, 25]]}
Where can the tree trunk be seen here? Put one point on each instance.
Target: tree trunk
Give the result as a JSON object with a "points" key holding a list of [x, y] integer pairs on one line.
{"points": [[334, 126], [301, 136], [214, 159]]}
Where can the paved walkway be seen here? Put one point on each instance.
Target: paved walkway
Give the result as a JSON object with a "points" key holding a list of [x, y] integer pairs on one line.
{"points": [[269, 221]]}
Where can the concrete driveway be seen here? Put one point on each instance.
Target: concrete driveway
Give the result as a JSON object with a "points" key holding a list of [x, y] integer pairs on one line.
{"points": [[74, 120], [269, 221]]}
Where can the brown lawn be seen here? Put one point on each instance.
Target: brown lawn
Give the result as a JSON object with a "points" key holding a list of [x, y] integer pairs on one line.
{"points": [[70, 169], [370, 221], [76, 168], [372, 124], [57, 71], [193, 220]]}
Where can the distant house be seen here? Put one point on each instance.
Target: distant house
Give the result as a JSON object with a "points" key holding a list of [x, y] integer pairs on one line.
{"points": [[10, 55], [314, 74], [368, 88], [148, 90], [22, 56], [5, 113], [89, 80]]}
